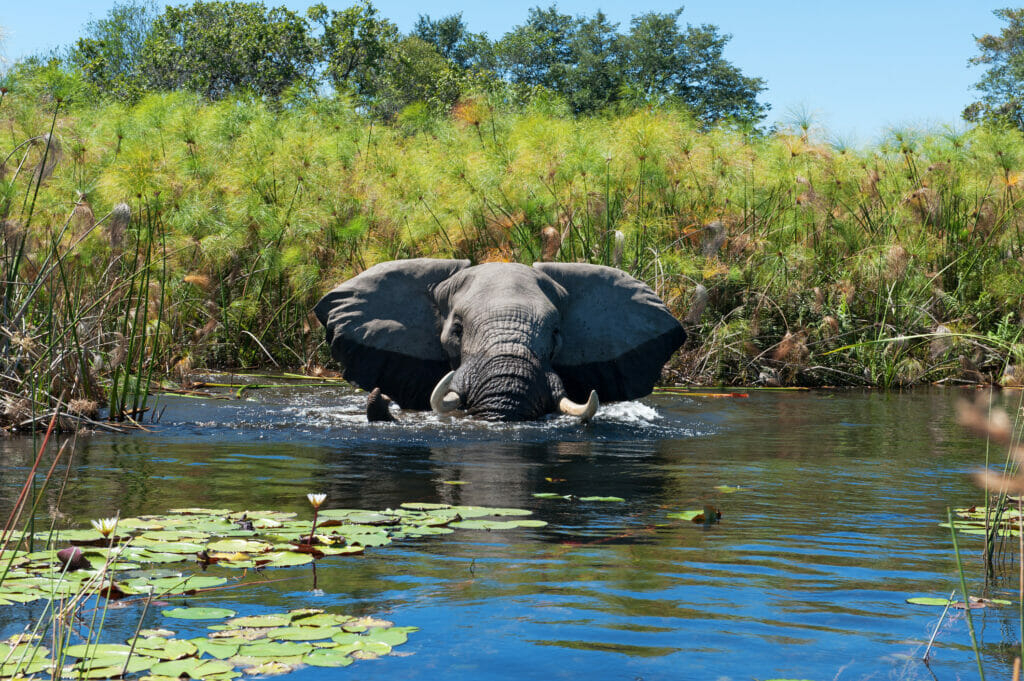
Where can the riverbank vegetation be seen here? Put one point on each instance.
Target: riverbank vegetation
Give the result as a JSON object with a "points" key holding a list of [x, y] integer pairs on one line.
{"points": [[172, 232]]}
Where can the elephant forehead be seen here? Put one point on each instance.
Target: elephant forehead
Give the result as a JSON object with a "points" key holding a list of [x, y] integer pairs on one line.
{"points": [[506, 283]]}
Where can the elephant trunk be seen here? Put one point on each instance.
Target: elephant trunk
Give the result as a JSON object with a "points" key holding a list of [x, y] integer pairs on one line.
{"points": [[512, 386], [509, 386]]}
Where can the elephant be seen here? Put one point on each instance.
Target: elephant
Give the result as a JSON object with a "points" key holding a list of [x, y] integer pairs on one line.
{"points": [[500, 341]]}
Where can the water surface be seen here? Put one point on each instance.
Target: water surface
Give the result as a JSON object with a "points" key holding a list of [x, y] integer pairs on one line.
{"points": [[835, 525]]}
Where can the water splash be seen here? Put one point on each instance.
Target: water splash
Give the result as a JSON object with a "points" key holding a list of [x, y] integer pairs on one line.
{"points": [[310, 414]]}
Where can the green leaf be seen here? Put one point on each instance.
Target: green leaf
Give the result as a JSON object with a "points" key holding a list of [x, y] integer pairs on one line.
{"points": [[192, 667], [274, 649], [217, 512], [165, 649], [100, 669], [155, 545], [199, 613], [348, 550], [496, 524], [274, 620], [97, 650], [393, 636], [376, 539], [238, 546], [162, 633], [172, 536], [323, 619], [328, 657], [286, 558], [685, 515], [214, 648], [416, 506], [481, 511], [601, 499], [302, 633], [928, 600]]}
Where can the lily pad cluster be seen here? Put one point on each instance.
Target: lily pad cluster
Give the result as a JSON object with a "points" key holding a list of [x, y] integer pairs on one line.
{"points": [[971, 520], [573, 497], [273, 643], [141, 554]]}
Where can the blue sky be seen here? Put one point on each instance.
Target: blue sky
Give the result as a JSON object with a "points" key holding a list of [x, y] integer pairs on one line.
{"points": [[857, 67]]}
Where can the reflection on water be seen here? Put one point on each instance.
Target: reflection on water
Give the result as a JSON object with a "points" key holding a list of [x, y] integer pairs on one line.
{"points": [[834, 525]]}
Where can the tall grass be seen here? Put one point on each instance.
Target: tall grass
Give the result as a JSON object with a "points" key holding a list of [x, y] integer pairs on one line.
{"points": [[58, 353], [908, 253], [40, 646]]}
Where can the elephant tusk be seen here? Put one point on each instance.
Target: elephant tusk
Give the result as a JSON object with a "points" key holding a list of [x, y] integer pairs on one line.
{"points": [[584, 411], [443, 400]]}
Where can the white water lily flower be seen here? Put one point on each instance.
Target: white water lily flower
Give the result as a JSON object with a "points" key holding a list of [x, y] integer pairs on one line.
{"points": [[105, 526], [316, 499]]}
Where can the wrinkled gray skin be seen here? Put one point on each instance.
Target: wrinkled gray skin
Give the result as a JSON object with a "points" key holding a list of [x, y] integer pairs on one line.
{"points": [[500, 333], [377, 407], [519, 338]]}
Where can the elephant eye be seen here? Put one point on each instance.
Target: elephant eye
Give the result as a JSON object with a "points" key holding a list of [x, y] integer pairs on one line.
{"points": [[455, 330]]}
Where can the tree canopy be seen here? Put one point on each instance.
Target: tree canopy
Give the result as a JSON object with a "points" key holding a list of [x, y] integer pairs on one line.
{"points": [[220, 48], [1002, 86]]}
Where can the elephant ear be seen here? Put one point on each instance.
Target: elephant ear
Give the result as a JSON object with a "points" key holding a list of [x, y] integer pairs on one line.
{"points": [[383, 328], [616, 333]]}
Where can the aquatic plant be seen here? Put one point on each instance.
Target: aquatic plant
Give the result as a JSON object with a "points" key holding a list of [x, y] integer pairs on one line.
{"points": [[99, 566], [1002, 513], [242, 215], [315, 500]]}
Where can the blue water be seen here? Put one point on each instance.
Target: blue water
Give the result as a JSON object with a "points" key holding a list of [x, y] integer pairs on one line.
{"points": [[835, 524]]}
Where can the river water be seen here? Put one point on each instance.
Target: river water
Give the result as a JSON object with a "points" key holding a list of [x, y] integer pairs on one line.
{"points": [[830, 502]]}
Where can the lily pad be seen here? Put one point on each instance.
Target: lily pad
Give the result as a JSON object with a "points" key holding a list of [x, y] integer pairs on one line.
{"points": [[496, 524], [328, 657], [929, 600], [393, 636], [375, 539], [321, 619], [482, 512], [199, 613], [275, 620], [93, 650], [165, 649], [349, 550], [162, 633], [238, 546], [108, 667], [272, 668], [286, 559], [192, 667], [213, 648], [975, 602], [349, 637], [302, 633], [274, 649], [417, 506]]}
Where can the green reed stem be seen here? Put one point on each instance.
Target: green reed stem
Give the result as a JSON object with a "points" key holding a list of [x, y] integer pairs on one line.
{"points": [[967, 600]]}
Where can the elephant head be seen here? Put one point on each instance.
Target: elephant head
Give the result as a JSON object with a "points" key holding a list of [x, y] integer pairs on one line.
{"points": [[500, 340]]}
